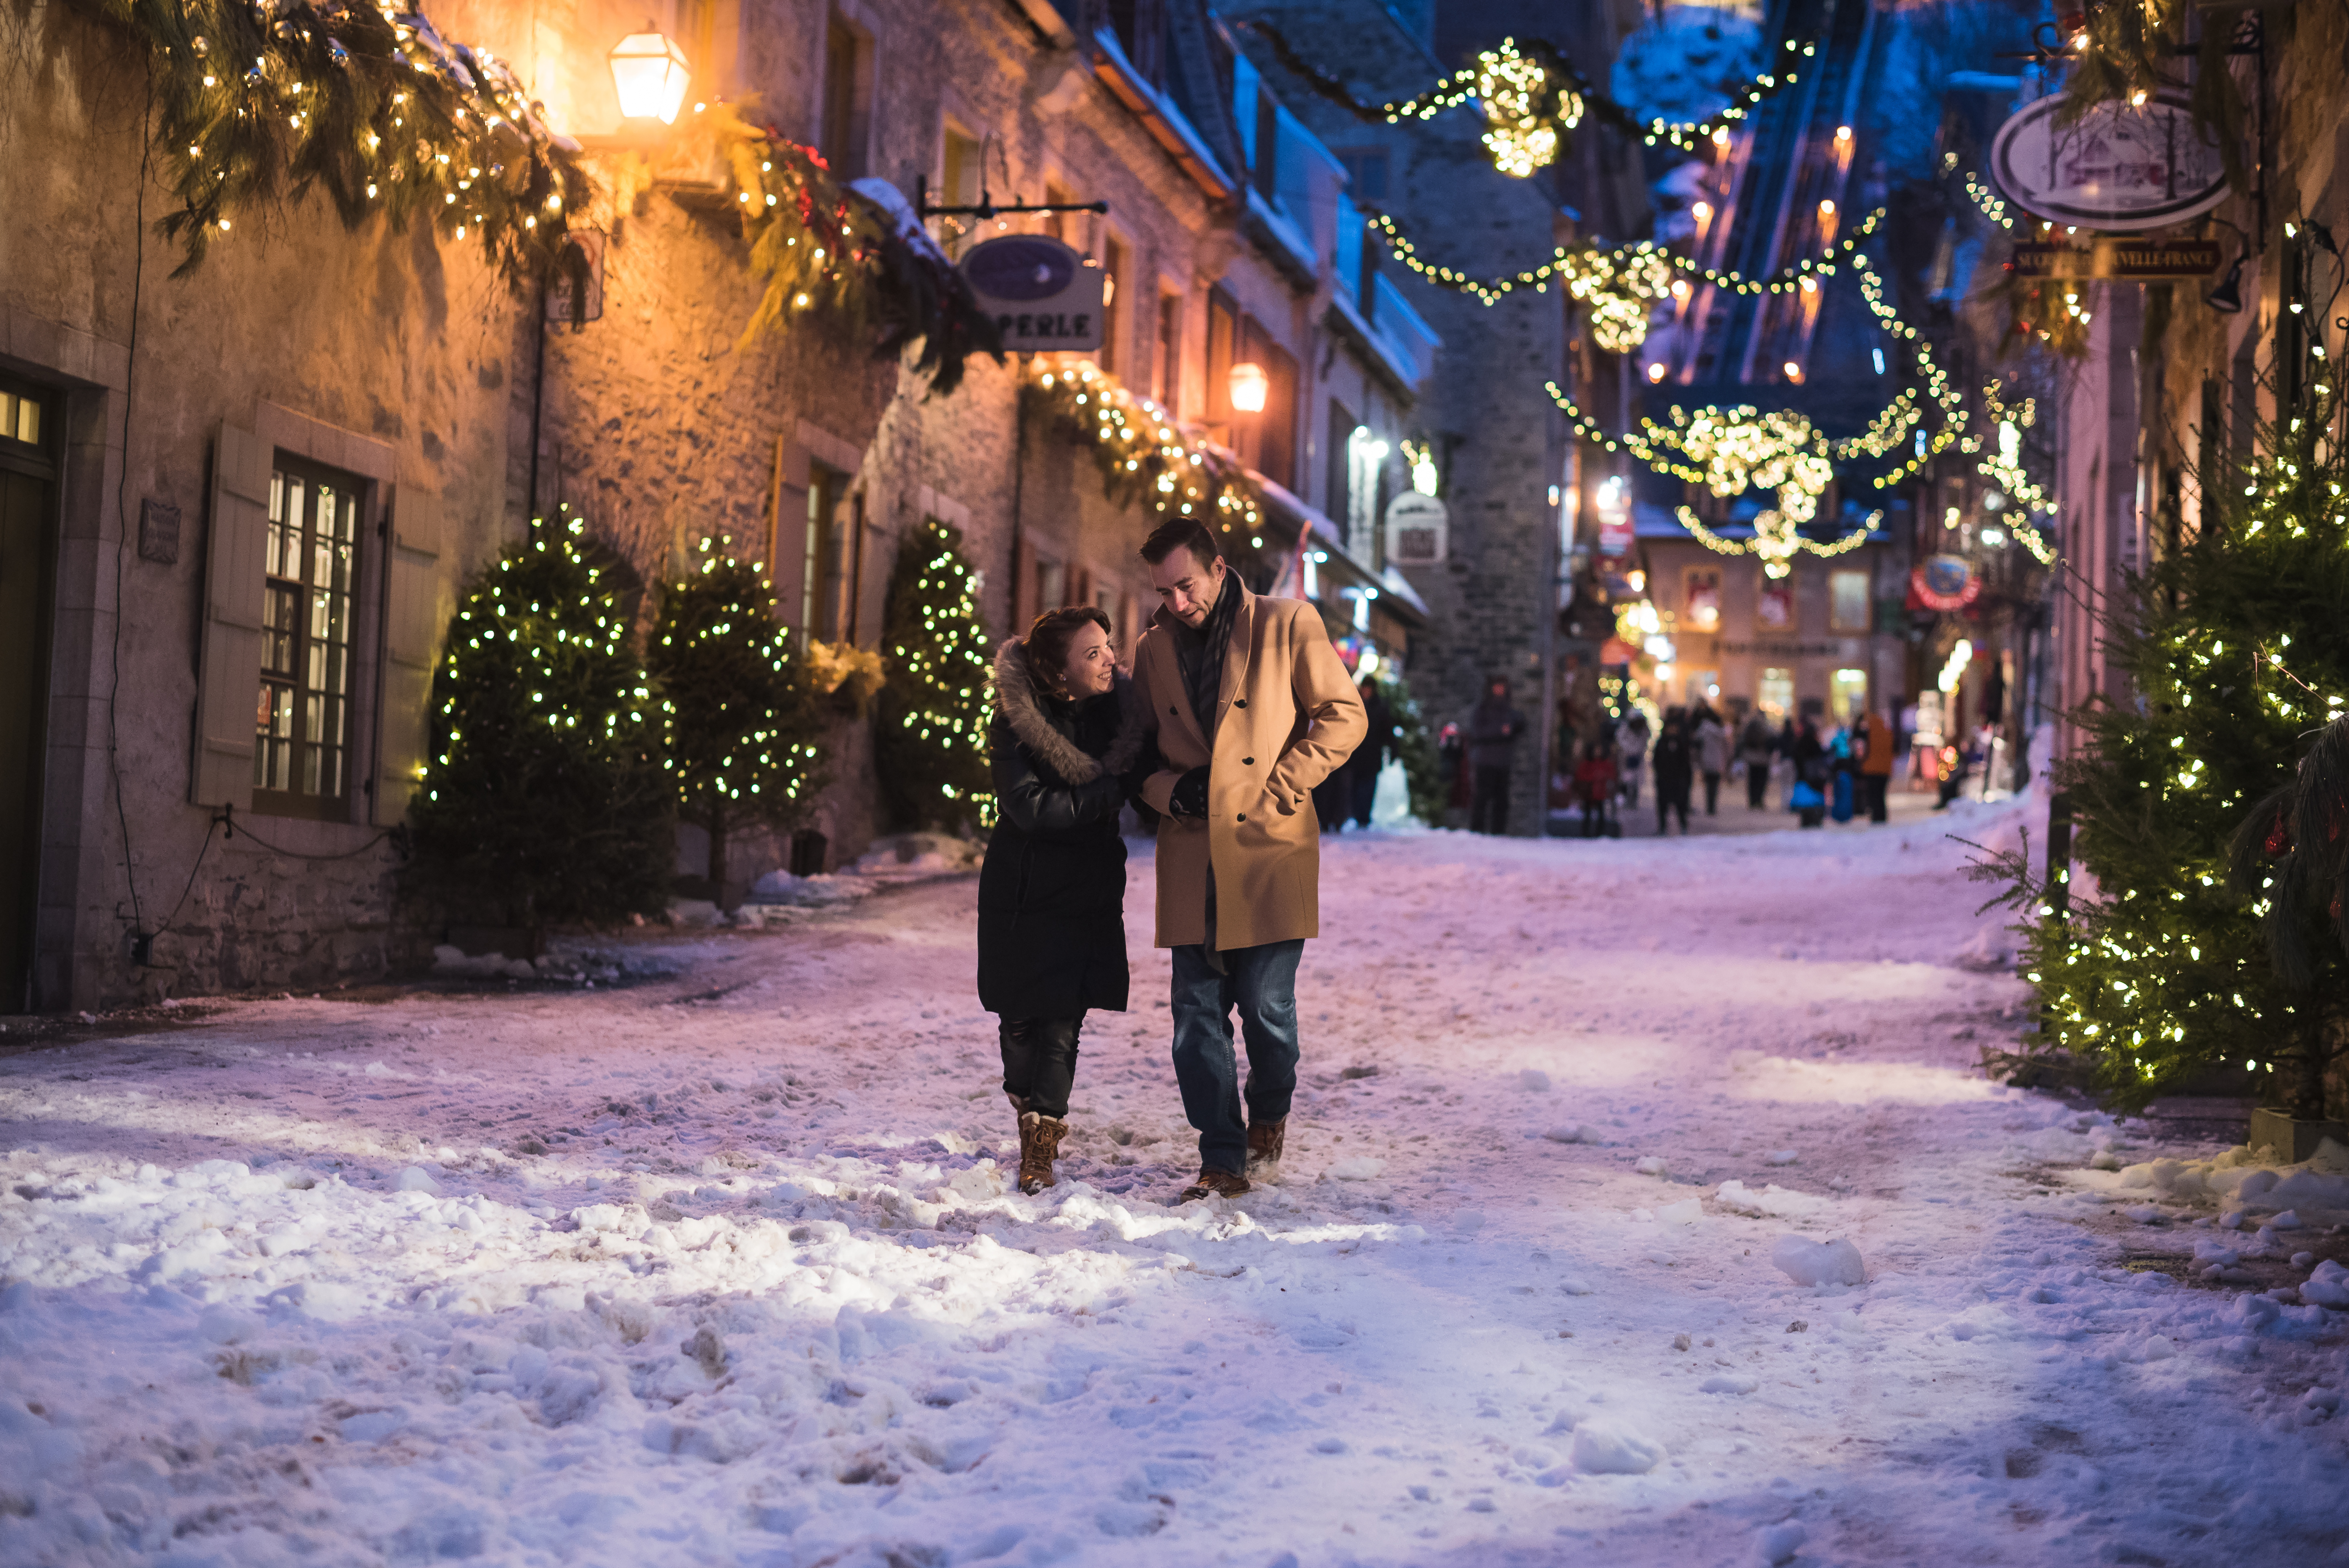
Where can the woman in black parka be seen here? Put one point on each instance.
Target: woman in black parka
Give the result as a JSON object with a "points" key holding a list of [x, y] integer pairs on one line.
{"points": [[1067, 730]]}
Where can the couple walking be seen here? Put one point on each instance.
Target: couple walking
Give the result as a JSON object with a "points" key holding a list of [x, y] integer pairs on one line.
{"points": [[1237, 707]]}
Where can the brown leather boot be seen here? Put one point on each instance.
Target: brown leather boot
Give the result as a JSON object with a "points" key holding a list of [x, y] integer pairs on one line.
{"points": [[1264, 1149], [1039, 1145], [1215, 1183]]}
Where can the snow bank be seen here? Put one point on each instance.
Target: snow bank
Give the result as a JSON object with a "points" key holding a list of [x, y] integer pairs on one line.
{"points": [[2241, 1180]]}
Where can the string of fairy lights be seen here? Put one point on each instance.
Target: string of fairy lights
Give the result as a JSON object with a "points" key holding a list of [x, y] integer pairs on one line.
{"points": [[1143, 452], [1513, 85], [1938, 386], [1992, 204], [1618, 285], [2003, 466], [1731, 449]]}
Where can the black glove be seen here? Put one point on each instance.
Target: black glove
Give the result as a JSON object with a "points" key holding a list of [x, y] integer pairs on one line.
{"points": [[1189, 797]]}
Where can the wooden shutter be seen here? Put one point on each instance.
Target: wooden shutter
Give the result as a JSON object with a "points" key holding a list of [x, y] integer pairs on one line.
{"points": [[228, 668], [412, 622]]}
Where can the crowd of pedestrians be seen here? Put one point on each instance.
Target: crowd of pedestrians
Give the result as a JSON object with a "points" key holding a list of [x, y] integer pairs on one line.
{"points": [[1837, 773]]}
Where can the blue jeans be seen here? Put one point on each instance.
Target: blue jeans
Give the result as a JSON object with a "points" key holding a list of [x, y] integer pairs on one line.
{"points": [[1261, 982]]}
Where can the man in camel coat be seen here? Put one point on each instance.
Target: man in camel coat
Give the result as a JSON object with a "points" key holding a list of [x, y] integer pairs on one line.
{"points": [[1250, 708]]}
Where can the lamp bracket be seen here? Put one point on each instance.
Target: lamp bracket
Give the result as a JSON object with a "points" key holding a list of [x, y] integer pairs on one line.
{"points": [[986, 209]]}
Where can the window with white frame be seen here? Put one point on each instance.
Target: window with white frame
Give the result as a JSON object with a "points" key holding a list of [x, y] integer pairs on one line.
{"points": [[302, 723]]}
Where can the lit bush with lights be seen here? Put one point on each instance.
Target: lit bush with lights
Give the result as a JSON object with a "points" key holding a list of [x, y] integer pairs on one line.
{"points": [[739, 721], [2169, 957], [929, 742], [543, 801]]}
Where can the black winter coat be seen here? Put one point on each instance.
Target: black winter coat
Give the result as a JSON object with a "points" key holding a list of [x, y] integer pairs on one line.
{"points": [[1051, 891], [1674, 763]]}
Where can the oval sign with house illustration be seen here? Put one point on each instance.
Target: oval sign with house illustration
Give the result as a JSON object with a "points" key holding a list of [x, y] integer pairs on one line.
{"points": [[2120, 168], [1043, 295]]}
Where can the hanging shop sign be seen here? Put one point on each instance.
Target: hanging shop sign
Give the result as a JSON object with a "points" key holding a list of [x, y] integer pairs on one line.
{"points": [[1418, 530], [575, 289], [2129, 261], [1943, 583], [2119, 168], [1043, 295]]}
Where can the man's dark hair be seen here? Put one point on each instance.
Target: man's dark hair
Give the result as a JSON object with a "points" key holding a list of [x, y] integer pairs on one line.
{"points": [[1181, 534]]}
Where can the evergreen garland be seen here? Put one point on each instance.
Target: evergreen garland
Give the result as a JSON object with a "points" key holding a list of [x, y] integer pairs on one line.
{"points": [[543, 796], [2236, 654], [855, 251], [739, 721], [259, 103], [930, 740]]}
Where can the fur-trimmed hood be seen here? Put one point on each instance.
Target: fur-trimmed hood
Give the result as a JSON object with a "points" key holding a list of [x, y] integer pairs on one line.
{"points": [[1019, 702]]}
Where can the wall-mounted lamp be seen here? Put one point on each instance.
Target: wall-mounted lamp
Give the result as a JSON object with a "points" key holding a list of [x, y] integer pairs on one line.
{"points": [[651, 75], [1250, 387], [2228, 297], [1367, 443]]}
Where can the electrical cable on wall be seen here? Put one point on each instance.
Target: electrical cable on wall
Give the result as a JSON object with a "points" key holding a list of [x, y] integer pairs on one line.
{"points": [[141, 939]]}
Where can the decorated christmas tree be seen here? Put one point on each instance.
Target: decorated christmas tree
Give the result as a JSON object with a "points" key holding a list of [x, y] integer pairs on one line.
{"points": [[2153, 964], [1423, 769], [930, 738], [543, 801], [740, 723]]}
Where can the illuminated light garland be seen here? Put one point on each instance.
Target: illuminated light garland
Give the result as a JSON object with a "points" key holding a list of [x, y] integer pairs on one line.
{"points": [[1938, 386], [1567, 265], [1521, 121], [1992, 206], [369, 105], [1521, 77], [1775, 540], [820, 245], [2004, 468], [1730, 451], [1143, 455]]}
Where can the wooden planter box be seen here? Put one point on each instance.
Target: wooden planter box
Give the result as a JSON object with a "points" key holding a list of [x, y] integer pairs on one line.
{"points": [[2292, 1139]]}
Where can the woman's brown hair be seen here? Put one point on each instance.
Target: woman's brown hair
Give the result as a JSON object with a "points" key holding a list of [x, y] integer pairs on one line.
{"points": [[1046, 645]]}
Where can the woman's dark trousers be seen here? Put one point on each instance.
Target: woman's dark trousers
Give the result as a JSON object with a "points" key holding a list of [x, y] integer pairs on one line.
{"points": [[1039, 1061]]}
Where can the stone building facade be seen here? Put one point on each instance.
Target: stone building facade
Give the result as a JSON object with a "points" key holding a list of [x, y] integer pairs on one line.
{"points": [[404, 393]]}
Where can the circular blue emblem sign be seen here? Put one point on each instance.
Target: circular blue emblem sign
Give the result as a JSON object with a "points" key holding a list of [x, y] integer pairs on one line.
{"points": [[1020, 267]]}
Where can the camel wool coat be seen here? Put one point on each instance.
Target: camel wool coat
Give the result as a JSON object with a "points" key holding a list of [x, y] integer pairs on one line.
{"points": [[1289, 718]]}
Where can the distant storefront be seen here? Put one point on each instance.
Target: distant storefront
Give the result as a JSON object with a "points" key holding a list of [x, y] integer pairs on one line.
{"points": [[1826, 637]]}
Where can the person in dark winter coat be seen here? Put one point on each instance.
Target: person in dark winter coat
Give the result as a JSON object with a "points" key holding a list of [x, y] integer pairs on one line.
{"points": [[1492, 731], [1067, 730], [1674, 762], [1813, 771], [1757, 747], [1361, 769], [1710, 736]]}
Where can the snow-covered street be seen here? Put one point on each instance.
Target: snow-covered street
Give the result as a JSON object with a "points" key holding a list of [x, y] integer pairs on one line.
{"points": [[713, 1263]]}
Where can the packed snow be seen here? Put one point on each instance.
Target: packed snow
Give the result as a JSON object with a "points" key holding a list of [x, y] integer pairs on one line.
{"points": [[1645, 1201]]}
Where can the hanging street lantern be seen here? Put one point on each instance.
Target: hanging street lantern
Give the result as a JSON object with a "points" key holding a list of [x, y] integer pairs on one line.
{"points": [[1250, 387], [651, 75]]}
